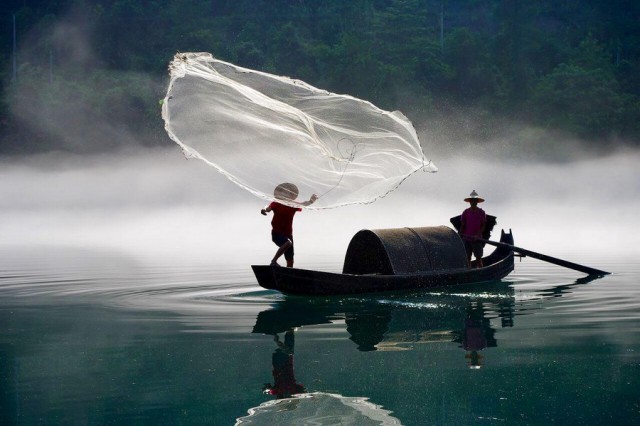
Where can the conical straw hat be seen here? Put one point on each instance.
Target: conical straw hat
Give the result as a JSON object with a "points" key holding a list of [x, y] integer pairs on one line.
{"points": [[474, 196]]}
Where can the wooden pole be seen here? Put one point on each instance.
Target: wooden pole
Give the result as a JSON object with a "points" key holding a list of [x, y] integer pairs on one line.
{"points": [[550, 259]]}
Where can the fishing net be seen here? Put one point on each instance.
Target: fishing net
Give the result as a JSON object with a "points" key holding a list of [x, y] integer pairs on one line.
{"points": [[319, 408], [265, 132]]}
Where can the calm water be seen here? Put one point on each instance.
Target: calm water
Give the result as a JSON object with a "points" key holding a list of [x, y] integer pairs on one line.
{"points": [[94, 337]]}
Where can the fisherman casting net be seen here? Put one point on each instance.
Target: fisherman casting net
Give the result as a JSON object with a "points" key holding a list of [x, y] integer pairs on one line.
{"points": [[262, 131]]}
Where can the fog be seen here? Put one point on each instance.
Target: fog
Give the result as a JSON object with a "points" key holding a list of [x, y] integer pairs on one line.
{"points": [[151, 203], [154, 204]]}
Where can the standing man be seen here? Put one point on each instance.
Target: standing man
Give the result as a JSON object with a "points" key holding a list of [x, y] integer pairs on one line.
{"points": [[473, 222], [282, 222]]}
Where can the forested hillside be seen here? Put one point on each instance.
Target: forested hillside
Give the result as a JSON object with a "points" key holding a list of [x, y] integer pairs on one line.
{"points": [[99, 67]]}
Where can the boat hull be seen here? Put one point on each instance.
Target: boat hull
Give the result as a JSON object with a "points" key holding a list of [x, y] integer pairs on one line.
{"points": [[307, 282]]}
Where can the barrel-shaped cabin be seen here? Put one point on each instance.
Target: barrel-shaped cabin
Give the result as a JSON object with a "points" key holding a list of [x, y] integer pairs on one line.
{"points": [[405, 251]]}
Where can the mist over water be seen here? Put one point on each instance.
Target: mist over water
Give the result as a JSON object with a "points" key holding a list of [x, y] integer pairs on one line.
{"points": [[151, 203]]}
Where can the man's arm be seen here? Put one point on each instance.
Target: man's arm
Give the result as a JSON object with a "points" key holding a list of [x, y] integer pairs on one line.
{"points": [[312, 200], [265, 210]]}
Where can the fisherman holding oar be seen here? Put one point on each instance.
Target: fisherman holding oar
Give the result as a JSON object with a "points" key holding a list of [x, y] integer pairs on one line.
{"points": [[473, 222]]}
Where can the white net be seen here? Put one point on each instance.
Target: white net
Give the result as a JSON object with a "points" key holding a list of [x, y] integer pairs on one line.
{"points": [[261, 131], [319, 408]]}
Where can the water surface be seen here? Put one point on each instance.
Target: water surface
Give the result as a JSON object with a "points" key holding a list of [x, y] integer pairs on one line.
{"points": [[97, 337]]}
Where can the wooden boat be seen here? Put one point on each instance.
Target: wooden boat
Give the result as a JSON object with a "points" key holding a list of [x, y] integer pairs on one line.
{"points": [[393, 260]]}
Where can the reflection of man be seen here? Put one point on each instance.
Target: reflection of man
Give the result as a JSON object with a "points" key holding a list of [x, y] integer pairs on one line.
{"points": [[477, 335], [473, 340], [284, 381]]}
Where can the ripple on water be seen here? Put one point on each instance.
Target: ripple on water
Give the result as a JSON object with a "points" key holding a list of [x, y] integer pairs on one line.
{"points": [[223, 293], [40, 276]]}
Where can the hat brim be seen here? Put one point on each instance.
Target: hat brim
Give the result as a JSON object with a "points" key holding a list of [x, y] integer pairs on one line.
{"points": [[478, 199]]}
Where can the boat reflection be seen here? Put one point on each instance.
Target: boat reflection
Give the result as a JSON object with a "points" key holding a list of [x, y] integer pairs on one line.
{"points": [[462, 316], [400, 322]]}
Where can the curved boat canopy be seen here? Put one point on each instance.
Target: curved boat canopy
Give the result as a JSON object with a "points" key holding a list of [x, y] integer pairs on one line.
{"points": [[405, 251]]}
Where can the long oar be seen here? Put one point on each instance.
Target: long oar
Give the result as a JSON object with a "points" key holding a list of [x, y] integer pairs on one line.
{"points": [[544, 257]]}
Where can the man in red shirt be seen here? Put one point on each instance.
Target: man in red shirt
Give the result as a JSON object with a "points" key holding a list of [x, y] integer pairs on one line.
{"points": [[473, 222], [282, 222]]}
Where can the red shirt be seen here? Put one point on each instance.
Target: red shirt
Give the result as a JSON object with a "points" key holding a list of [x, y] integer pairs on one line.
{"points": [[282, 222], [472, 223]]}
